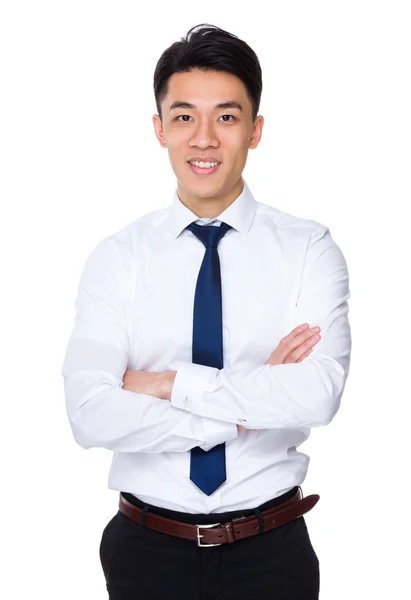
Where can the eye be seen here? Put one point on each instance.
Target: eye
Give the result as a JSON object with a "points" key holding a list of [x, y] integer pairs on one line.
{"points": [[182, 118]]}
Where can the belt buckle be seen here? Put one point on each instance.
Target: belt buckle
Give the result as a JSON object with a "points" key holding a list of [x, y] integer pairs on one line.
{"points": [[198, 527]]}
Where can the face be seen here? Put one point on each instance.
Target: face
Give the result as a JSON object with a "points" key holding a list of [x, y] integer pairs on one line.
{"points": [[207, 116]]}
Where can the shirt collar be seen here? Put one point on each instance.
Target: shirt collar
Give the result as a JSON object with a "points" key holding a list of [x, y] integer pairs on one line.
{"points": [[239, 214]]}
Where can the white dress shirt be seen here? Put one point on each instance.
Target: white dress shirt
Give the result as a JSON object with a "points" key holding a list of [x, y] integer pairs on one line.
{"points": [[134, 311]]}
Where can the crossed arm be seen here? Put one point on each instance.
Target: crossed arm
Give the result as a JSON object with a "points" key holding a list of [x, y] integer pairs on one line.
{"points": [[293, 348], [205, 404]]}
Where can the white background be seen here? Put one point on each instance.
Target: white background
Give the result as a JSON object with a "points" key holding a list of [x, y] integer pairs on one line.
{"points": [[79, 160]]}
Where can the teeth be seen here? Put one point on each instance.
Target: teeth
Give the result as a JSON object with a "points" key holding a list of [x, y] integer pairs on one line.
{"points": [[203, 165]]}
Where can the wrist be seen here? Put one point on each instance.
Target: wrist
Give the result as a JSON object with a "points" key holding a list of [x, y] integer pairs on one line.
{"points": [[166, 382]]}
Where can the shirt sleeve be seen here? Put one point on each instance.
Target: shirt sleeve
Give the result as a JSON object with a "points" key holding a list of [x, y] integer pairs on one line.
{"points": [[100, 412], [305, 394]]}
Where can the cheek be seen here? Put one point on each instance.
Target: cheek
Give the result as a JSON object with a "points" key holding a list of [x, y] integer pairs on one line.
{"points": [[177, 146], [176, 137], [240, 156], [176, 153], [237, 145]]}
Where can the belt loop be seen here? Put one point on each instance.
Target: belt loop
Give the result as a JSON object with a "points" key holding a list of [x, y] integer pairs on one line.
{"points": [[260, 520], [143, 515]]}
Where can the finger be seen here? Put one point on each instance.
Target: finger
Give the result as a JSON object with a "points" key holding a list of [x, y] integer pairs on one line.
{"points": [[296, 331], [299, 335], [304, 335], [304, 355], [291, 341], [300, 351], [300, 338], [308, 344]]}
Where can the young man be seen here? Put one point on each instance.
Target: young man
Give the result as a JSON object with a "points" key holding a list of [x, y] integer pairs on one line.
{"points": [[167, 363]]}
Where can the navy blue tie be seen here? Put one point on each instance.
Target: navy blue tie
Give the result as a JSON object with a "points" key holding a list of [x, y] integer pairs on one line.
{"points": [[207, 469]]}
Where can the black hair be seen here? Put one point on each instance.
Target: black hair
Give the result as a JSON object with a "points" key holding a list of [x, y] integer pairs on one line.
{"points": [[210, 49]]}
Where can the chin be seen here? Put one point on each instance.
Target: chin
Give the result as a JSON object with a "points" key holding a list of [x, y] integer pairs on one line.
{"points": [[204, 191], [205, 188]]}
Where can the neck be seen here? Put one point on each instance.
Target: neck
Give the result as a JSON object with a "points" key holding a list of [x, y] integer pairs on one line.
{"points": [[212, 206]]}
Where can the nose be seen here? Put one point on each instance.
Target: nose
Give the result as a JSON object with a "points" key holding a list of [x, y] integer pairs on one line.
{"points": [[204, 134]]}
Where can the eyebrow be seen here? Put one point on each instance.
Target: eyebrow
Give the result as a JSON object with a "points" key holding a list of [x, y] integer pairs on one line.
{"points": [[222, 105]]}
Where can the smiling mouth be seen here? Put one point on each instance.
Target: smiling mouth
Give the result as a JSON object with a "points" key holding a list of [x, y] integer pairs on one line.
{"points": [[203, 170]]}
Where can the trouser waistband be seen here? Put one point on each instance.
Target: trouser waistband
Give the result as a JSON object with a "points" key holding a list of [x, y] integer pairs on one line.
{"points": [[206, 518]]}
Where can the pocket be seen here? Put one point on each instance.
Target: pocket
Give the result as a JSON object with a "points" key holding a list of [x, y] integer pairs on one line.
{"points": [[307, 539], [108, 544], [113, 540]]}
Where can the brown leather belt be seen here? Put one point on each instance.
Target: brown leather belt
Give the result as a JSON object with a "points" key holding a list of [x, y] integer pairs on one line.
{"points": [[216, 534]]}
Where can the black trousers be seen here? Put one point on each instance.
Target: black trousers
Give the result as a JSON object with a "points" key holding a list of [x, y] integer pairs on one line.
{"points": [[142, 564]]}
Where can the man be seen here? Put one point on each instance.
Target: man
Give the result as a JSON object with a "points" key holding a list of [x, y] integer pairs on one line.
{"points": [[167, 363]]}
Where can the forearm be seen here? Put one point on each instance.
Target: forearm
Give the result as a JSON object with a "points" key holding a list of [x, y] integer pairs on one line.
{"points": [[165, 384], [306, 394], [135, 417], [124, 421]]}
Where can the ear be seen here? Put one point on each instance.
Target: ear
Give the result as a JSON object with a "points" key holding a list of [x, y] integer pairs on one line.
{"points": [[159, 131], [257, 132]]}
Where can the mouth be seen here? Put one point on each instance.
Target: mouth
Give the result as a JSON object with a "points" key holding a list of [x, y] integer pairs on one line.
{"points": [[203, 170]]}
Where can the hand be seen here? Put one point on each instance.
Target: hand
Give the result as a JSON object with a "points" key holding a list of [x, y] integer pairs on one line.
{"points": [[293, 348]]}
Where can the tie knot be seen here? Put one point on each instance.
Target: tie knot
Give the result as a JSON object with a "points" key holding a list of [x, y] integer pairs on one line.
{"points": [[210, 235]]}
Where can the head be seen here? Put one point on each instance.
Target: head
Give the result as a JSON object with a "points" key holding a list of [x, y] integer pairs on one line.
{"points": [[207, 89]]}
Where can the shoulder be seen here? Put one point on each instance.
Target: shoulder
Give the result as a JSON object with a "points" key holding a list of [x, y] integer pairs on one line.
{"points": [[291, 223], [124, 241], [140, 226], [312, 236]]}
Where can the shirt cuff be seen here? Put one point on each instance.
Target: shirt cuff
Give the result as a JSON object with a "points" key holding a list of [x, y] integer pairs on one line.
{"points": [[190, 383], [217, 432]]}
